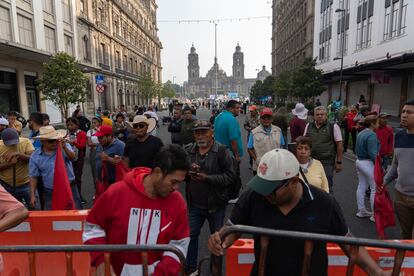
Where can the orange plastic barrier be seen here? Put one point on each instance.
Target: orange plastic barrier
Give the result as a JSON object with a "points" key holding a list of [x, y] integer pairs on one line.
{"points": [[46, 228], [240, 258]]}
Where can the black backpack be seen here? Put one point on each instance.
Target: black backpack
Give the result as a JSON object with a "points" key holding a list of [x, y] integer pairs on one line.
{"points": [[236, 186]]}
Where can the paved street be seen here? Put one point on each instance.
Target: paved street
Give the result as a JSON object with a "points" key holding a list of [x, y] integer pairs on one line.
{"points": [[345, 188]]}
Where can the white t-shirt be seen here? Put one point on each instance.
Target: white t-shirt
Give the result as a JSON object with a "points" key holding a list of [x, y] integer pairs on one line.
{"points": [[336, 131], [94, 139]]}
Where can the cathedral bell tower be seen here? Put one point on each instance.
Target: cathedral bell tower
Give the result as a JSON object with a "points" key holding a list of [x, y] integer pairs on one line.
{"points": [[238, 63], [193, 66]]}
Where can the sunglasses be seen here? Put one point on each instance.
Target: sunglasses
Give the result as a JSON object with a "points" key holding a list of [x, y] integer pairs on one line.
{"points": [[140, 125]]}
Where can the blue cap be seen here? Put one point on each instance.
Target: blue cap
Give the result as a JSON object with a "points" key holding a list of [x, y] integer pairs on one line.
{"points": [[10, 136]]}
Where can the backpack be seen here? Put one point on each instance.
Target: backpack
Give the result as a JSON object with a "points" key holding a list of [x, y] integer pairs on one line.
{"points": [[236, 186]]}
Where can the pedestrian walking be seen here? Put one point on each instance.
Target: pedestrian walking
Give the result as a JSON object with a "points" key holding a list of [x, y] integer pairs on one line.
{"points": [[311, 170], [77, 139], [35, 123], [252, 120], [298, 123], [84, 123], [327, 144], [92, 142], [280, 120], [146, 196], [108, 153], [402, 170], [279, 199], [42, 164], [208, 187], [13, 122], [106, 121], [264, 138], [3, 124], [140, 152], [15, 153], [367, 149], [120, 128], [350, 128], [175, 127], [227, 129], [187, 136], [385, 135]]}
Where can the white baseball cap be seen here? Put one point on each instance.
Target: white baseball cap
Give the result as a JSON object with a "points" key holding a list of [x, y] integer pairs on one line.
{"points": [[275, 168], [3, 121]]}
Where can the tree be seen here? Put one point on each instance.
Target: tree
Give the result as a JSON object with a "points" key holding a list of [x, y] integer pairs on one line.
{"points": [[63, 83], [147, 86], [282, 85], [168, 90], [257, 90], [306, 81]]}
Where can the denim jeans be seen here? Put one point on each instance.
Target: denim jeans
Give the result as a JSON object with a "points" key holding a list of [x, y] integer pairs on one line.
{"points": [[75, 193], [197, 217], [22, 194], [329, 172]]}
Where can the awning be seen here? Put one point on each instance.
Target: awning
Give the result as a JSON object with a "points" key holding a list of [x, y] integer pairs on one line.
{"points": [[20, 51]]}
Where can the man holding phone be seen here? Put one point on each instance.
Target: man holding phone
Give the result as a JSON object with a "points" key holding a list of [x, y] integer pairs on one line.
{"points": [[207, 190]]}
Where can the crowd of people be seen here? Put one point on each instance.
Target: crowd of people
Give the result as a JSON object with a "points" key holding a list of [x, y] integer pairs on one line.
{"points": [[293, 157]]}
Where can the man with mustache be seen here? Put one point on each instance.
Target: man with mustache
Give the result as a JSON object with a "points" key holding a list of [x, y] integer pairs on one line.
{"points": [[207, 189], [402, 170]]}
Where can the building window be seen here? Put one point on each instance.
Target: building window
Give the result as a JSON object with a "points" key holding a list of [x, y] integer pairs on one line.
{"points": [[325, 31], [395, 18], [25, 30], [86, 48], [67, 18], [118, 59], [116, 26], [50, 39], [342, 27], [68, 44], [130, 65], [83, 6], [103, 54], [125, 63], [48, 6], [364, 23], [5, 25]]}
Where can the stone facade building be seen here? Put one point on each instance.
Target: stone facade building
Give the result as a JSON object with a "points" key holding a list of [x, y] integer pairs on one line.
{"points": [[216, 80], [292, 33], [114, 38]]}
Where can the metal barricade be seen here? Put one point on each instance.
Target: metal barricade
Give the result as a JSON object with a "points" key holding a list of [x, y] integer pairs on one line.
{"points": [[107, 249], [309, 238]]}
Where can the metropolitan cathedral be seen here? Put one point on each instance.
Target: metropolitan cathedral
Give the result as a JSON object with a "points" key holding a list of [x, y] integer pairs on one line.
{"points": [[217, 80]]}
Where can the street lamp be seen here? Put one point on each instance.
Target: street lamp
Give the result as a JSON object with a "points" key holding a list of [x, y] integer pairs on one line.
{"points": [[343, 11]]}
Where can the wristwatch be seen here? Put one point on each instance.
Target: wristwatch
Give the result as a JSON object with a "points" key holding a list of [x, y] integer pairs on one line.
{"points": [[339, 162]]}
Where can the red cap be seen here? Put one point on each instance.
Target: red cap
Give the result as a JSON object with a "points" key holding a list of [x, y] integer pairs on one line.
{"points": [[103, 131], [266, 111]]}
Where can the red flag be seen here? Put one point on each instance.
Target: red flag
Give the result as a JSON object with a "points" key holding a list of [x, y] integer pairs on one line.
{"points": [[62, 198], [120, 170], [383, 210], [101, 186]]}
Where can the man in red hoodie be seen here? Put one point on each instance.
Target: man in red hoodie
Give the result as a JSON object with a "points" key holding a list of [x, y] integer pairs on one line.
{"points": [[145, 208]]}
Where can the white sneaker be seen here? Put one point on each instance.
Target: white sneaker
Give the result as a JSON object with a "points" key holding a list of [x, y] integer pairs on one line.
{"points": [[363, 214], [371, 218]]}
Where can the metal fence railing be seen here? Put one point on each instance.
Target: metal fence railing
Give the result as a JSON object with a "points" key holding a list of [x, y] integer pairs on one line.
{"points": [[309, 238], [107, 249]]}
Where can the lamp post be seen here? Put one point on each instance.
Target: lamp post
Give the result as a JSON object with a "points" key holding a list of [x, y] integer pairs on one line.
{"points": [[343, 11]]}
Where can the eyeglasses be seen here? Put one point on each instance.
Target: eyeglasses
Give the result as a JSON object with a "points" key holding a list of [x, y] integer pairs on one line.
{"points": [[140, 125]]}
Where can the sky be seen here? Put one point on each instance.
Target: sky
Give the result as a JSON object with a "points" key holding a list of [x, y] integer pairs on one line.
{"points": [[254, 36]]}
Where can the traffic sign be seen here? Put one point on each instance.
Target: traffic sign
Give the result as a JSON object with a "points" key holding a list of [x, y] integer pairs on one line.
{"points": [[100, 88], [99, 79]]}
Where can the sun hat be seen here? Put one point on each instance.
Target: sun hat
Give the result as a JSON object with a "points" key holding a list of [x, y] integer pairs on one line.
{"points": [[143, 119], [103, 131], [301, 111], [202, 124], [10, 136], [4, 122], [50, 133], [275, 167], [266, 111]]}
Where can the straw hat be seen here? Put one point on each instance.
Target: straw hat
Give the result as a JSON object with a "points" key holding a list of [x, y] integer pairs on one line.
{"points": [[143, 119], [50, 133]]}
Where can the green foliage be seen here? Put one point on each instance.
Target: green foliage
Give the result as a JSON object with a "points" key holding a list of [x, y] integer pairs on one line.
{"points": [[148, 87], [283, 85], [63, 83], [306, 81], [168, 90]]}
